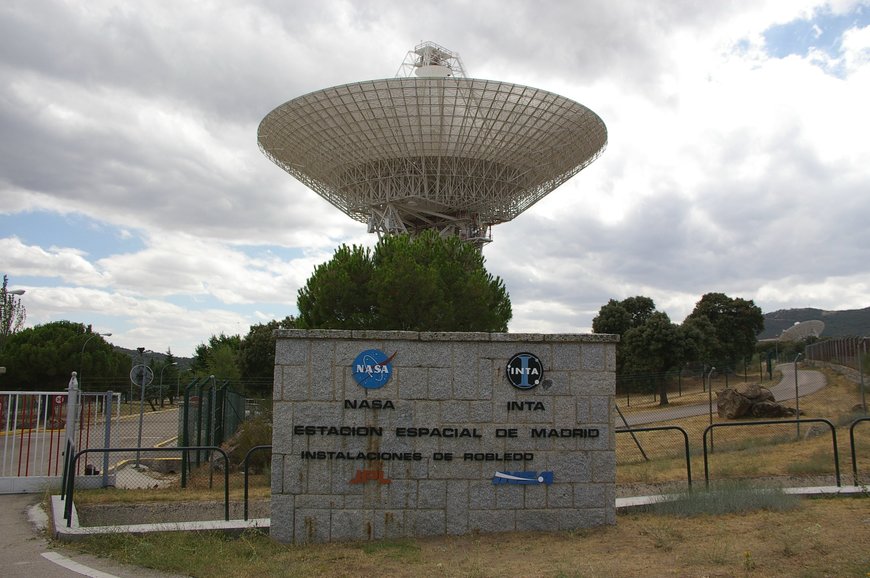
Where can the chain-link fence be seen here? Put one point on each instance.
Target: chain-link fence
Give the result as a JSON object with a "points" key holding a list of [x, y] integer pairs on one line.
{"points": [[845, 351]]}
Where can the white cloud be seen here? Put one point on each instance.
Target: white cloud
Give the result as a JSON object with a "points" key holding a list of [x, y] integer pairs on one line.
{"points": [[727, 170]]}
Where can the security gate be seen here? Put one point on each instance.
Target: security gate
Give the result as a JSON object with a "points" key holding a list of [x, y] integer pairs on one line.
{"points": [[33, 435]]}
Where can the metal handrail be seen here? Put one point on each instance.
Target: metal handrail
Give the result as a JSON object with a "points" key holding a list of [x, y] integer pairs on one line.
{"points": [[663, 428], [67, 513], [852, 446], [773, 422], [245, 462]]}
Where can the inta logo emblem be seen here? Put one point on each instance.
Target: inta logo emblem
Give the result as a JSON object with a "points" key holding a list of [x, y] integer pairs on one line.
{"points": [[525, 371], [372, 368]]}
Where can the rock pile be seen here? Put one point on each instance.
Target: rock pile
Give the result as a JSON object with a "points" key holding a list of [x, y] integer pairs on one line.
{"points": [[750, 400]]}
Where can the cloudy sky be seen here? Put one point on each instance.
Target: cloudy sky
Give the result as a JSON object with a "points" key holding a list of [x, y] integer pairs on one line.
{"points": [[133, 195]]}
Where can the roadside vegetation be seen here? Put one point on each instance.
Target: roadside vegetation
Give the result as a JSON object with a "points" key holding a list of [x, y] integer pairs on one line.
{"points": [[814, 537]]}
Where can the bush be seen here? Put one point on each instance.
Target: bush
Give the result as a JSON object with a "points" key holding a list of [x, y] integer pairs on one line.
{"points": [[256, 431]]}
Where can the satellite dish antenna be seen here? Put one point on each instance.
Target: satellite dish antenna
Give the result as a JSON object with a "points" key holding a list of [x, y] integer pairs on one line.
{"points": [[433, 71], [432, 149], [802, 330]]}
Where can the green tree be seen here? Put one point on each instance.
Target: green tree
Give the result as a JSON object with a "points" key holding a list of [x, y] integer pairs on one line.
{"points": [[43, 358], [654, 347], [617, 317], [223, 362], [166, 375], [12, 312], [219, 355], [257, 357], [735, 322], [339, 294], [421, 283], [699, 340]]}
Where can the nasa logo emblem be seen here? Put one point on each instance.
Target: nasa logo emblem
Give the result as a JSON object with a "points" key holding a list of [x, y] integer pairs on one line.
{"points": [[524, 371], [372, 368]]}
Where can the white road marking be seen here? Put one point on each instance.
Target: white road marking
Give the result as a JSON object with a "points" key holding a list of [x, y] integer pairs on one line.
{"points": [[75, 566]]}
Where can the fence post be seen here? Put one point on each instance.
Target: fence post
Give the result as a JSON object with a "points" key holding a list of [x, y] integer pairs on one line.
{"points": [[72, 413], [797, 403], [861, 373], [107, 439]]}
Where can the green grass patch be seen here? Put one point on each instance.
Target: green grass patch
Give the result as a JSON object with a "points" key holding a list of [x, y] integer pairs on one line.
{"points": [[819, 462]]}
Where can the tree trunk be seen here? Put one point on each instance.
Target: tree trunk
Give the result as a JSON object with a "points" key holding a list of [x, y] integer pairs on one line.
{"points": [[663, 391]]}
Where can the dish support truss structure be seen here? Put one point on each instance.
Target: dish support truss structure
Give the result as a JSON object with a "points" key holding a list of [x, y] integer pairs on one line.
{"points": [[453, 154]]}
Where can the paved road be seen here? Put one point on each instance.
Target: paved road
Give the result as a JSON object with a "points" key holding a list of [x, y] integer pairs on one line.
{"points": [[809, 381], [25, 553], [42, 449]]}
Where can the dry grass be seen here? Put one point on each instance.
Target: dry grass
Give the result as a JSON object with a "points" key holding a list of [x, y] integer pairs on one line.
{"points": [[198, 490], [824, 537], [820, 538], [748, 452]]}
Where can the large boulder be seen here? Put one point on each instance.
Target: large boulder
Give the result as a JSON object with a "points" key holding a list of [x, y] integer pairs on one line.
{"points": [[754, 392], [770, 409], [731, 404], [749, 399]]}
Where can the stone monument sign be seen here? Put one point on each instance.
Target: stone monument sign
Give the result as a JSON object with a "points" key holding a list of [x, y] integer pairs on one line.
{"points": [[401, 434]]}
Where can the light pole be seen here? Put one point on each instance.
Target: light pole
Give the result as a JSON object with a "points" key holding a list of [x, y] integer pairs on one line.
{"points": [[144, 380], [161, 380], [82, 356], [797, 403]]}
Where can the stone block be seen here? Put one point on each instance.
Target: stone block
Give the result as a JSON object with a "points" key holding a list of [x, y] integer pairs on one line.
{"points": [[312, 526], [282, 515], [566, 357], [537, 521], [491, 520]]}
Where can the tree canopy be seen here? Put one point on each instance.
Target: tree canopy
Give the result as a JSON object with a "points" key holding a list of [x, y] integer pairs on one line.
{"points": [[421, 283], [257, 355], [736, 324], [43, 358], [721, 330]]}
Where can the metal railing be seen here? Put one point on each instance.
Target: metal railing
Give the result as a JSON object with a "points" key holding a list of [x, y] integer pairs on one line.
{"points": [[833, 429], [245, 466], [70, 476], [852, 447], [633, 430]]}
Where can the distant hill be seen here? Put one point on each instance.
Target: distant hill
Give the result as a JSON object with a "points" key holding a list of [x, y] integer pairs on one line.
{"points": [[183, 362], [852, 322]]}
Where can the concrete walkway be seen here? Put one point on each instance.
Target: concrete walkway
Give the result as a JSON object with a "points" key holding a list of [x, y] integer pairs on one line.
{"points": [[25, 552]]}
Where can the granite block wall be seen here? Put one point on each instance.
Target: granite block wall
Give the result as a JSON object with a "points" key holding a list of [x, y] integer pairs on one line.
{"points": [[400, 434]]}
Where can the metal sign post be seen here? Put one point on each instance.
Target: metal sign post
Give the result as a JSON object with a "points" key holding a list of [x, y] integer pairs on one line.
{"points": [[142, 375]]}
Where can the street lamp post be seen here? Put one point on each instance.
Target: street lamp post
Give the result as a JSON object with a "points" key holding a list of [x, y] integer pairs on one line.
{"points": [[143, 378], [161, 380], [797, 403], [82, 356]]}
